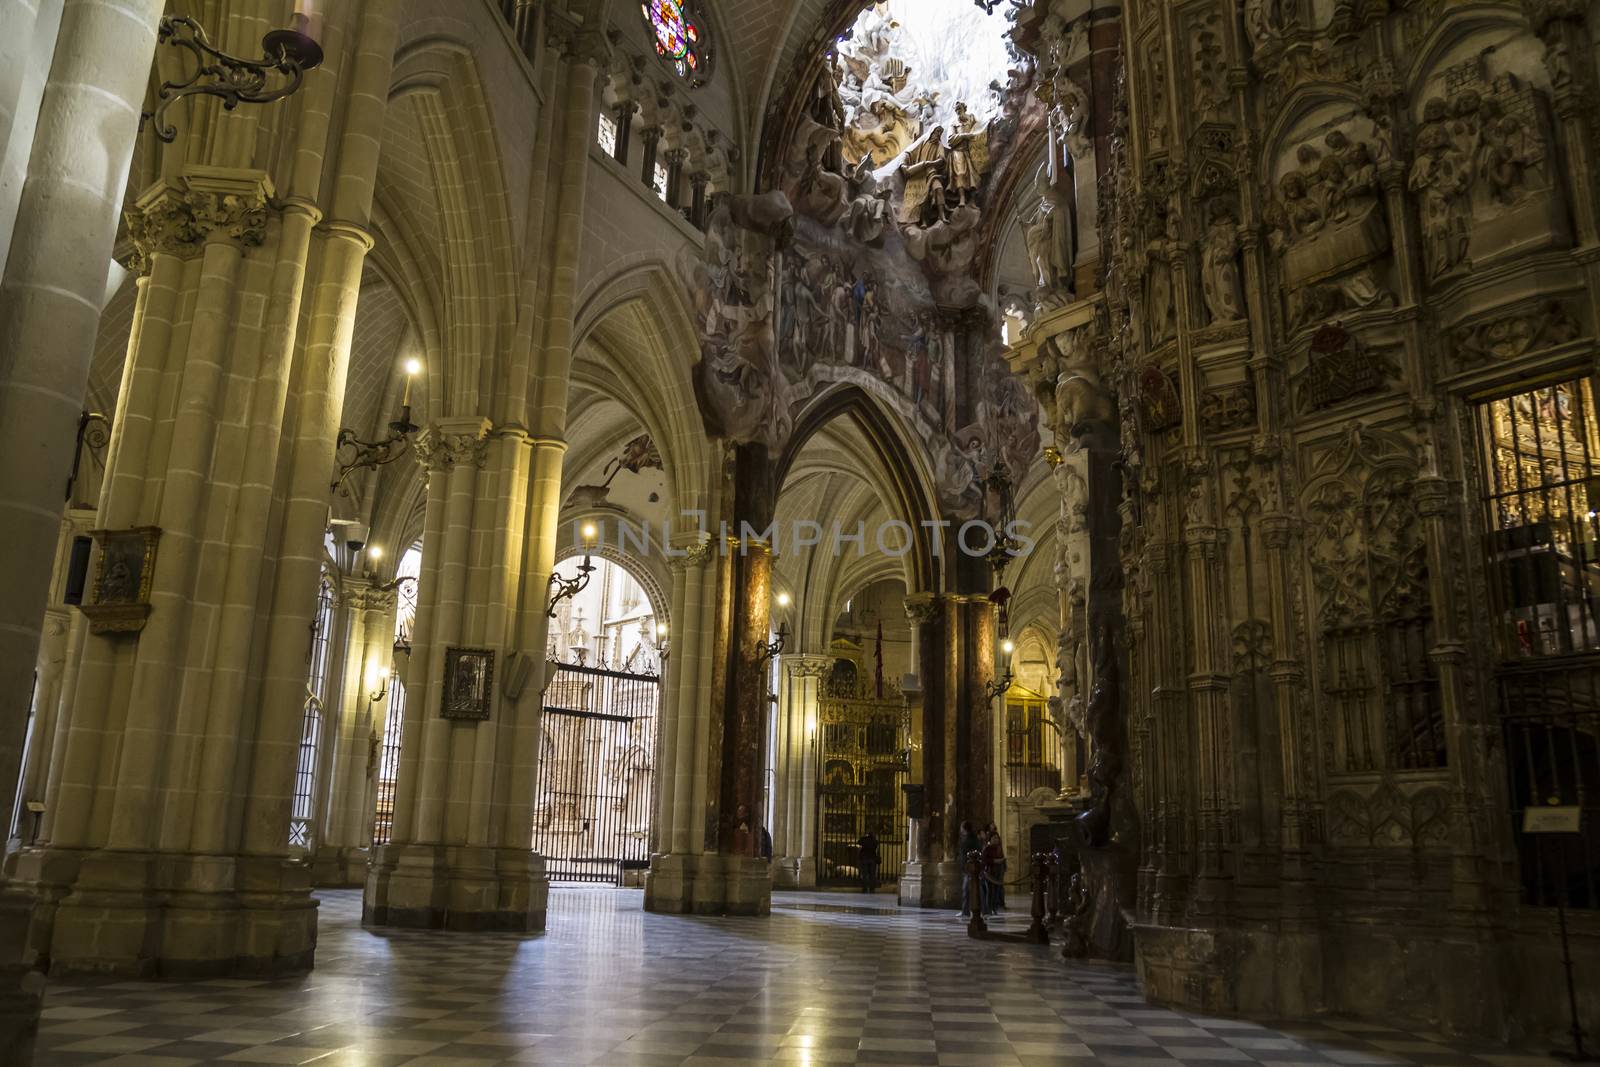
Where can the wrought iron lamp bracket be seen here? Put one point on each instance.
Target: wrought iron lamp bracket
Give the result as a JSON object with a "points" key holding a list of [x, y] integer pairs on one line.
{"points": [[354, 454], [770, 649], [566, 588], [288, 53]]}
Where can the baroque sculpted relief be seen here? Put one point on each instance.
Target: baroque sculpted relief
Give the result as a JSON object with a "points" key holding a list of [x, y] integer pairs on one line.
{"points": [[859, 268]]}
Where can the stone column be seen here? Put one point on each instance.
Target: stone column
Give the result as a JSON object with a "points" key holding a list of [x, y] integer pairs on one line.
{"points": [[167, 850], [56, 264], [795, 832], [670, 882], [1208, 693], [933, 879], [459, 857], [344, 846], [651, 136]]}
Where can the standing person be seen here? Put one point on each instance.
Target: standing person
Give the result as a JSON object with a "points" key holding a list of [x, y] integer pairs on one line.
{"points": [[867, 860], [968, 844], [1000, 867], [766, 844], [993, 863]]}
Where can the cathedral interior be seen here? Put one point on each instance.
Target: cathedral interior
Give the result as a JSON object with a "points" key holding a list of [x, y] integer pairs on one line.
{"points": [[955, 532]]}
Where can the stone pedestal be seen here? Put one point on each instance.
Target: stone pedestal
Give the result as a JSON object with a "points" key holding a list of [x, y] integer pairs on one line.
{"points": [[21, 985], [446, 887], [930, 885], [340, 867], [794, 872], [159, 914], [708, 884]]}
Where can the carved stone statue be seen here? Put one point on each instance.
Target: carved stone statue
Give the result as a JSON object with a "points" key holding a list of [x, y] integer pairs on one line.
{"points": [[968, 156], [1220, 267], [731, 285], [1049, 236], [1440, 176], [926, 173]]}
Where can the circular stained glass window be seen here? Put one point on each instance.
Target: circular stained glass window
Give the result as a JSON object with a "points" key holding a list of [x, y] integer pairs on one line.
{"points": [[679, 37]]}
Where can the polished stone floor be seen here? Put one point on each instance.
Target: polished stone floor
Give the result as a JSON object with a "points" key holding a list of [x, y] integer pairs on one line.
{"points": [[828, 979]]}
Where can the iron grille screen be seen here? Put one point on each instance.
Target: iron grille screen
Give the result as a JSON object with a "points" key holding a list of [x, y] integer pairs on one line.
{"points": [[592, 800], [864, 739], [1538, 450]]}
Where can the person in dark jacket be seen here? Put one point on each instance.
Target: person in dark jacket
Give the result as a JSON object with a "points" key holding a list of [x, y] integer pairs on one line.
{"points": [[766, 844], [968, 844], [993, 870], [867, 861], [999, 884]]}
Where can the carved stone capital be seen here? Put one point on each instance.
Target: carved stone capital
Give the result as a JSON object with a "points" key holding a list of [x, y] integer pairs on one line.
{"points": [[1277, 530], [450, 442], [922, 607], [807, 666], [368, 598], [690, 552], [177, 216], [1435, 497]]}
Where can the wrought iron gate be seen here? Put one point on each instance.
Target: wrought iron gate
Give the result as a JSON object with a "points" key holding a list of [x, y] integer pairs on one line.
{"points": [[864, 764], [1541, 474], [592, 804]]}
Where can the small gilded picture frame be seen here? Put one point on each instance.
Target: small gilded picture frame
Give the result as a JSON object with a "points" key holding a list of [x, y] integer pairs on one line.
{"points": [[468, 683], [119, 597]]}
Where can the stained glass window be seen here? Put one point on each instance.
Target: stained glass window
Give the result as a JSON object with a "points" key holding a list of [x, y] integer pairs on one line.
{"points": [[680, 39]]}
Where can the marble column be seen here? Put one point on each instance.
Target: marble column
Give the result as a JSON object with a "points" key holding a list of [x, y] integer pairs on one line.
{"points": [[676, 157], [699, 182], [651, 137], [625, 113]]}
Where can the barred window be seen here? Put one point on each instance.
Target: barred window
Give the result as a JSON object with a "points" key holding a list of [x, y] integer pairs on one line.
{"points": [[388, 770], [303, 812]]}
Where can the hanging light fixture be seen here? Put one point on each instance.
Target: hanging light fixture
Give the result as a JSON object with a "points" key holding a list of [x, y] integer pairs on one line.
{"points": [[286, 53]]}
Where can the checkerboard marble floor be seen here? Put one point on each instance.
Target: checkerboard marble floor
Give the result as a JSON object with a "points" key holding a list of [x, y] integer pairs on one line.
{"points": [[828, 979]]}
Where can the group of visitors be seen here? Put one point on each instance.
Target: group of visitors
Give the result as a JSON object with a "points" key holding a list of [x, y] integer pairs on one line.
{"points": [[991, 889]]}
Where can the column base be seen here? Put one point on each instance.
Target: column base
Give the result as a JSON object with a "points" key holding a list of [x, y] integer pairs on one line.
{"points": [[794, 872], [930, 885], [169, 915], [21, 985], [340, 868], [456, 887], [709, 884]]}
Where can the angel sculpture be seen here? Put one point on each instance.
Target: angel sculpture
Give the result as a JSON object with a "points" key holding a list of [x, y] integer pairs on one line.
{"points": [[968, 155]]}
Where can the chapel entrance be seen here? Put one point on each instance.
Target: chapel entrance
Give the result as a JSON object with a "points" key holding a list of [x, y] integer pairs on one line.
{"points": [[863, 726], [592, 807]]}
